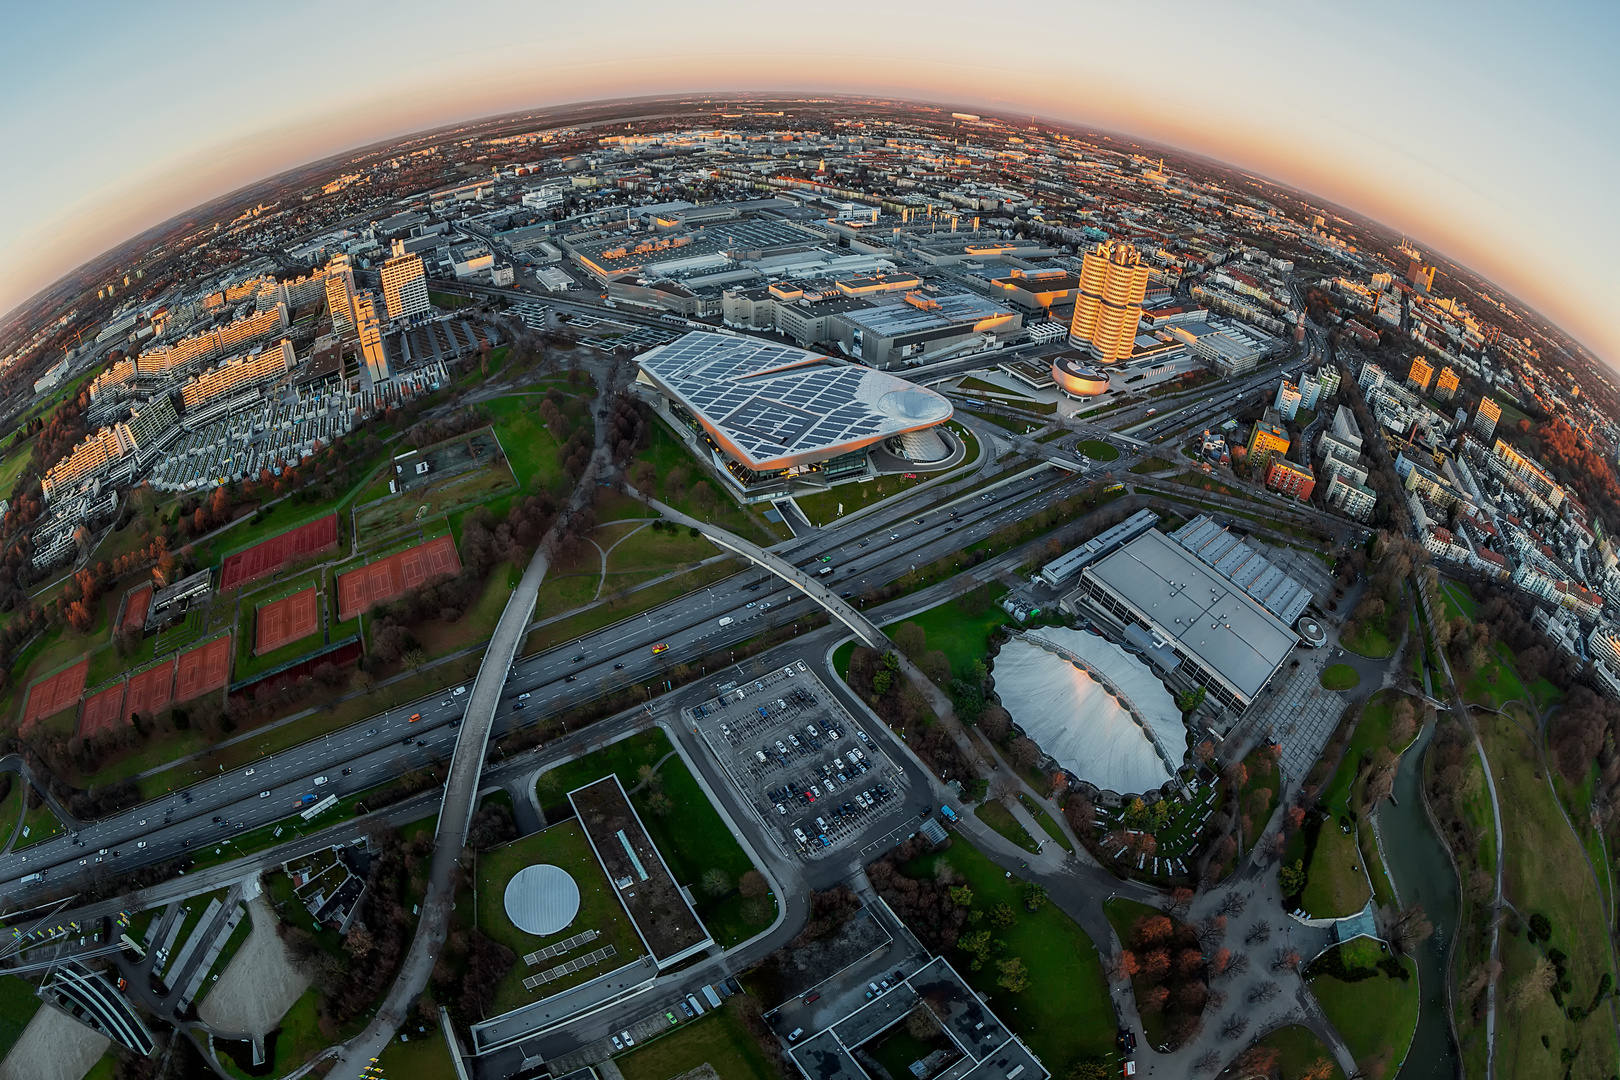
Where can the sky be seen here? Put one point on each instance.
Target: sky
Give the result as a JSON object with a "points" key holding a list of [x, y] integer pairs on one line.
{"points": [[1486, 131]]}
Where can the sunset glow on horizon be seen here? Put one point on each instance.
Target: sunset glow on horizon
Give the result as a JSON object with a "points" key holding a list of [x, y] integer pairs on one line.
{"points": [[1488, 162]]}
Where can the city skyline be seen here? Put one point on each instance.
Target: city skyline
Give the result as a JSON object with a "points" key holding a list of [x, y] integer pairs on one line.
{"points": [[1502, 192]]}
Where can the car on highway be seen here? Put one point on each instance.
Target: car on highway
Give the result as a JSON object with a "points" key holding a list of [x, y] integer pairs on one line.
{"points": [[577, 659], [826, 558], [415, 716], [373, 731], [458, 691], [661, 646], [572, 678], [264, 794], [618, 666]]}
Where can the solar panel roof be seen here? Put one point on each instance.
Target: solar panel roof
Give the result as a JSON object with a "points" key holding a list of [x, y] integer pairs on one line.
{"points": [[774, 406]]}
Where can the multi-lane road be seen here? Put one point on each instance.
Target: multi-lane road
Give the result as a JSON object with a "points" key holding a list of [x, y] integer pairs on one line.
{"points": [[862, 555]]}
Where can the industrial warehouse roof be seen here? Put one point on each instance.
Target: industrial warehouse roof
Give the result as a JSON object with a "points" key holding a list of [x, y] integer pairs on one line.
{"points": [[1209, 617], [775, 406]]}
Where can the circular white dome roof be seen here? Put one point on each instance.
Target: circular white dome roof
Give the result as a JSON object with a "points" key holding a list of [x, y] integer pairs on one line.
{"points": [[914, 405], [541, 899]]}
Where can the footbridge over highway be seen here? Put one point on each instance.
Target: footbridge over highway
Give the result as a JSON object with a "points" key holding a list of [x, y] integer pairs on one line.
{"points": [[858, 624]]}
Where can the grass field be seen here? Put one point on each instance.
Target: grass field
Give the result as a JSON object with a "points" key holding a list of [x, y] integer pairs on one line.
{"points": [[16, 460], [1340, 677], [424, 1057], [18, 1004], [1066, 1013], [1376, 1017], [1544, 872], [397, 513], [1337, 886], [840, 658], [1496, 683], [530, 447], [299, 1035], [718, 1039], [825, 506], [563, 845], [40, 823], [961, 636], [1371, 640], [999, 818], [11, 807], [667, 454], [690, 835], [1098, 451]]}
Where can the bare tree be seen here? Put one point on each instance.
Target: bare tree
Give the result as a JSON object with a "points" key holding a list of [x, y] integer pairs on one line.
{"points": [[1239, 964], [1210, 931], [1259, 995], [1208, 1061], [1259, 933], [1233, 903], [1285, 961], [1235, 1026]]}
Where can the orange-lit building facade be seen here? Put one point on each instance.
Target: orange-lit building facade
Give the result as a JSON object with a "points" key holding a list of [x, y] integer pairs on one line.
{"points": [[1108, 301], [1290, 478]]}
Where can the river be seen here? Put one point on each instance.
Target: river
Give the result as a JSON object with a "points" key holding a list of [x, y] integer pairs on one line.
{"points": [[1421, 869]]}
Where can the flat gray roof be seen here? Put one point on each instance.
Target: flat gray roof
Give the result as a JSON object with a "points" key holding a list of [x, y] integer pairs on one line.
{"points": [[1209, 617]]}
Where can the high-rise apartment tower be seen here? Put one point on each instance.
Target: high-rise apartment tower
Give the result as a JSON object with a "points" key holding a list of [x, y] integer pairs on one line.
{"points": [[404, 287]]}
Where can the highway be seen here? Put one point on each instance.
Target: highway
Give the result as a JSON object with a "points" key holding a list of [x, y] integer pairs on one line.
{"points": [[865, 554]]}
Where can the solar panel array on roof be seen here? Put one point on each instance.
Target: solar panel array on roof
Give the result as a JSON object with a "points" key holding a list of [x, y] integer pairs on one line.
{"points": [[1244, 567], [774, 406]]}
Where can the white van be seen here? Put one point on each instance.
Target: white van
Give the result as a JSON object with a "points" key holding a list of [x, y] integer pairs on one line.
{"points": [[319, 780], [726, 620]]}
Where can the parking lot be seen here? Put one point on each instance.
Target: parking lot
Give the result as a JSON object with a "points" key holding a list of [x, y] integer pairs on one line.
{"points": [[810, 772]]}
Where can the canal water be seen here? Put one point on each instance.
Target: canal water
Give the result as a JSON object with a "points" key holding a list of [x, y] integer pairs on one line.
{"points": [[1421, 869]]}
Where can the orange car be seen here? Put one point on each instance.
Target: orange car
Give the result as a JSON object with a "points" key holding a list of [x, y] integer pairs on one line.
{"points": [[660, 647], [415, 716]]}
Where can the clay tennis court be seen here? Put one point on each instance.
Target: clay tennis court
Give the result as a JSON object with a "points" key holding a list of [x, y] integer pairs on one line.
{"points": [[135, 605], [50, 696], [360, 590], [204, 668], [104, 711], [284, 620], [150, 691], [271, 555]]}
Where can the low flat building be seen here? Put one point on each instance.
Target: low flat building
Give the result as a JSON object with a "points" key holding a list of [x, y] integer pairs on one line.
{"points": [[1226, 640], [923, 327]]}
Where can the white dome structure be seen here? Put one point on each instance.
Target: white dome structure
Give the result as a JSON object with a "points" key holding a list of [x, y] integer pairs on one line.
{"points": [[541, 899]]}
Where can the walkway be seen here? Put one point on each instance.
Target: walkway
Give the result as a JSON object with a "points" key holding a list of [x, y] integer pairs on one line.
{"points": [[461, 791]]}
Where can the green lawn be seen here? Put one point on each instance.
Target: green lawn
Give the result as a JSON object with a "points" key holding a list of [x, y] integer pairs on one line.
{"points": [[841, 656], [823, 507], [645, 549], [299, 1035], [1545, 873], [40, 824], [1152, 465], [1339, 677], [11, 807], [1098, 451], [15, 461], [667, 454], [1337, 886], [18, 1004], [718, 1039], [1066, 1013], [1376, 1017], [961, 636], [1051, 827], [999, 818], [1300, 1050], [691, 835], [1496, 683], [1370, 641], [1458, 600], [563, 845], [424, 1057]]}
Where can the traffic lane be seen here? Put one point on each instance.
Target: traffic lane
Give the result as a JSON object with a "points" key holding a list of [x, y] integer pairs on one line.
{"points": [[277, 803], [307, 760]]}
